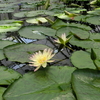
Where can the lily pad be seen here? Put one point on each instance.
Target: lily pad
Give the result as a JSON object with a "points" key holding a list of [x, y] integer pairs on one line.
{"points": [[36, 20], [86, 44], [2, 35], [33, 13], [94, 20], [95, 36], [81, 59], [4, 43], [86, 84], [2, 89], [36, 32], [52, 83], [21, 14], [79, 32], [7, 76], [1, 55], [22, 52], [10, 21], [10, 27]]}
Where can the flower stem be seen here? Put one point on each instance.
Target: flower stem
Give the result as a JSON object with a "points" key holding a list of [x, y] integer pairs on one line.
{"points": [[95, 65], [69, 48], [57, 47]]}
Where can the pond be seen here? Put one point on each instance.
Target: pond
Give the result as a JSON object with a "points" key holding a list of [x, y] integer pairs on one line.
{"points": [[49, 49]]}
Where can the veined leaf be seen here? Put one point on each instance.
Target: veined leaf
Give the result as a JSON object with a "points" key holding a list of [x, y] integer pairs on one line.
{"points": [[52, 83], [86, 84], [22, 52], [81, 59], [2, 89], [8, 76]]}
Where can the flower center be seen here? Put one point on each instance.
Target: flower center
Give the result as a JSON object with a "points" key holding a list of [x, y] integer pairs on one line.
{"points": [[42, 60]]}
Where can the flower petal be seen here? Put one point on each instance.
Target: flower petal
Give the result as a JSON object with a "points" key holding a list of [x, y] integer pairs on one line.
{"points": [[37, 68], [44, 65]]}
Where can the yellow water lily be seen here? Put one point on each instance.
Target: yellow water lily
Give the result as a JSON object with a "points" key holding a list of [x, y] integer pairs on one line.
{"points": [[41, 58]]}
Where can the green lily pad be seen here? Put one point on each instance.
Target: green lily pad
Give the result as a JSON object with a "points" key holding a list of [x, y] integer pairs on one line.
{"points": [[1, 55], [81, 59], [2, 89], [21, 14], [10, 27], [80, 18], [36, 20], [2, 35], [6, 11], [33, 13], [51, 83], [86, 44], [62, 16], [58, 24], [94, 20], [22, 52], [79, 32], [36, 32], [40, 12], [86, 84], [10, 21], [4, 43], [95, 36], [7, 76]]}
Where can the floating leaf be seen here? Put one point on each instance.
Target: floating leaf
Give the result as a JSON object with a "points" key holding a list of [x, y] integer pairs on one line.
{"points": [[62, 16], [86, 84], [4, 43], [21, 14], [58, 24], [2, 35], [36, 32], [79, 32], [94, 20], [7, 76], [52, 83], [10, 27], [95, 36], [36, 20], [22, 52], [82, 60], [2, 89], [33, 13], [10, 21], [1, 55], [85, 44]]}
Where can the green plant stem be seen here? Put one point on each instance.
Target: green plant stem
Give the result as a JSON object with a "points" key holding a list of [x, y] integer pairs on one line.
{"points": [[57, 47], [95, 65], [69, 48]]}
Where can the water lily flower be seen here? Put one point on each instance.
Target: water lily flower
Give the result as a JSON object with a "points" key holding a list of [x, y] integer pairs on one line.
{"points": [[63, 40], [41, 58]]}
